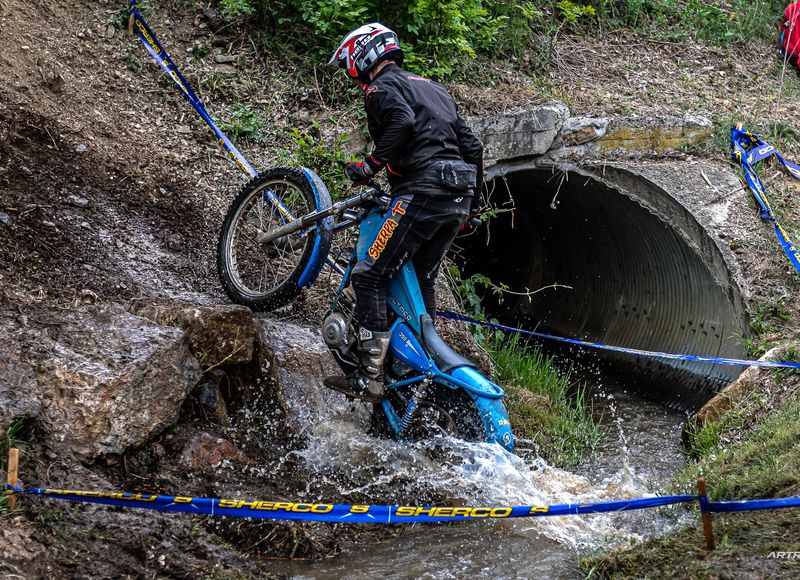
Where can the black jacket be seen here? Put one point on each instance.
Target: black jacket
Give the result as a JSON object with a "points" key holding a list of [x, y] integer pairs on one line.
{"points": [[414, 122]]}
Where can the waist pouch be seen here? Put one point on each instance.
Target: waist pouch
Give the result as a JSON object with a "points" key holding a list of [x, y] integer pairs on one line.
{"points": [[452, 174]]}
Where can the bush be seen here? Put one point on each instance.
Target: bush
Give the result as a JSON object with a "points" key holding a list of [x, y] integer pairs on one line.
{"points": [[440, 36]]}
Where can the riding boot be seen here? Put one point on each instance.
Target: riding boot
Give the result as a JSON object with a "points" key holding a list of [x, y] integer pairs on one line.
{"points": [[367, 382]]}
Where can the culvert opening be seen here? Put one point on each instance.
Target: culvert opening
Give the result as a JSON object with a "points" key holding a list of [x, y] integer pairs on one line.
{"points": [[622, 273]]}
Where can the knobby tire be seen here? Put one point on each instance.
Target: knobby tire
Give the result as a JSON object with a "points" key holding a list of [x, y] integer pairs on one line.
{"points": [[265, 276]]}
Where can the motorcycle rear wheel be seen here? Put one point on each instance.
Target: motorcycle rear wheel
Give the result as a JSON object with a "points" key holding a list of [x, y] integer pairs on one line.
{"points": [[265, 276], [443, 412]]}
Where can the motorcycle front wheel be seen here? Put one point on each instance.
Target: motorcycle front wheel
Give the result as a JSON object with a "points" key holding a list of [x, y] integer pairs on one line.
{"points": [[267, 275]]}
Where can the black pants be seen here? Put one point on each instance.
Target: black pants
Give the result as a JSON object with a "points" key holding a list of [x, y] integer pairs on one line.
{"points": [[419, 228]]}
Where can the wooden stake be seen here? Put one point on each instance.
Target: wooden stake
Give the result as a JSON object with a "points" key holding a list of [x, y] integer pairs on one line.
{"points": [[13, 473], [706, 515]]}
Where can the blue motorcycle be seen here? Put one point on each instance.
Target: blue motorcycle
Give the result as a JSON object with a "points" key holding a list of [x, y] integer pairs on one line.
{"points": [[275, 241]]}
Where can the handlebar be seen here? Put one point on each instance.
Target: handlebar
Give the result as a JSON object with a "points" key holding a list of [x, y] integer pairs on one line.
{"points": [[373, 194]]}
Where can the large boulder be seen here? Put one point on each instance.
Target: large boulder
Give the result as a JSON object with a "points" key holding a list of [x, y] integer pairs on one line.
{"points": [[109, 380], [302, 361], [219, 334]]}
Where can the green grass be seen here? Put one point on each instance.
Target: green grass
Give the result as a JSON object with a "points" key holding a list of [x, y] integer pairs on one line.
{"points": [[763, 462], [750, 452], [544, 404]]}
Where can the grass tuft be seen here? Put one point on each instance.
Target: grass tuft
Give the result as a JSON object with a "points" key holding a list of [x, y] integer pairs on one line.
{"points": [[545, 405]]}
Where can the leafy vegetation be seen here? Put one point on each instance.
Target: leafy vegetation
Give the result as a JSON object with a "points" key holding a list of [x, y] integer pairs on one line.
{"points": [[439, 37], [245, 124], [325, 157]]}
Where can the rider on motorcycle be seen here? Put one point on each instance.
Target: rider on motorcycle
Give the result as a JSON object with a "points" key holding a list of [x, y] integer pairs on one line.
{"points": [[433, 162]]}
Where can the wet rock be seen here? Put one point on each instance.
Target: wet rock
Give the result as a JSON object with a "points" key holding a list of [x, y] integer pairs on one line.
{"points": [[302, 361], [19, 392], [20, 546], [222, 334], [109, 380], [206, 451]]}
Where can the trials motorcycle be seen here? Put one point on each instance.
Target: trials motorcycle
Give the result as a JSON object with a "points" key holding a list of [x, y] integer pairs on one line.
{"points": [[275, 241]]}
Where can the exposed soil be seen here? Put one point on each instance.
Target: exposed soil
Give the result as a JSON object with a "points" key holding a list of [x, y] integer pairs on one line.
{"points": [[110, 189]]}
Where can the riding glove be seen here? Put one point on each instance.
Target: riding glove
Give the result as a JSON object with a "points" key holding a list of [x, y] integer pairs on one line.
{"points": [[358, 172]]}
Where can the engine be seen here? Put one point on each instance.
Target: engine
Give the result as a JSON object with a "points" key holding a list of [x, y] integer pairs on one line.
{"points": [[339, 335]]}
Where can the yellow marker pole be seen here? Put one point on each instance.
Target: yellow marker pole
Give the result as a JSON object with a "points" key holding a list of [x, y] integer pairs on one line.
{"points": [[706, 516], [13, 474]]}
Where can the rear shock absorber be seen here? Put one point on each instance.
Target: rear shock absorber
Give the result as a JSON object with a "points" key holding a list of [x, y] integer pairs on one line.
{"points": [[412, 409]]}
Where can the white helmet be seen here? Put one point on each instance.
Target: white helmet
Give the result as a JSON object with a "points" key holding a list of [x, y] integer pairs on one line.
{"points": [[364, 48]]}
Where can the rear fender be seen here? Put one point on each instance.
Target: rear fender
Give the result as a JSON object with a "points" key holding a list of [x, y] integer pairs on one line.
{"points": [[488, 399]]}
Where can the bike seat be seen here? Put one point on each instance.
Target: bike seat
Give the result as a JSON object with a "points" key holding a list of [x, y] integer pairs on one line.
{"points": [[445, 357]]}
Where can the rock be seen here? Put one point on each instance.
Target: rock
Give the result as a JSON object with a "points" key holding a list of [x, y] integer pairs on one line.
{"points": [[109, 380], [25, 170], [736, 392], [580, 130], [205, 452], [4, 218], [302, 361], [211, 400], [226, 69], [655, 134], [18, 536], [78, 201], [20, 396], [81, 149], [222, 334], [522, 134], [224, 58]]}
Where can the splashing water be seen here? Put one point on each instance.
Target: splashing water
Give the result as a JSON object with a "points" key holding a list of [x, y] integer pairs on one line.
{"points": [[478, 474]]}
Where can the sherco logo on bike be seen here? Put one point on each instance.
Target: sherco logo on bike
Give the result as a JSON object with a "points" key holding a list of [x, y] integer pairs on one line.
{"points": [[387, 230], [396, 303]]}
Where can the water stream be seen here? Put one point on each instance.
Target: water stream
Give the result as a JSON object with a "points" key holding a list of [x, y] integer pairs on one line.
{"points": [[640, 452]]}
